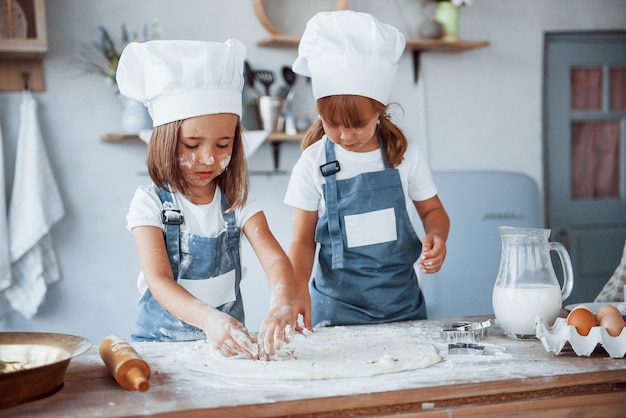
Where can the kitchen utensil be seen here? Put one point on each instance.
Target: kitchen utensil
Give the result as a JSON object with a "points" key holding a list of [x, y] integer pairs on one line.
{"points": [[526, 286], [248, 75], [290, 78], [467, 332], [466, 348], [126, 366], [283, 91], [265, 77], [33, 364], [270, 109]]}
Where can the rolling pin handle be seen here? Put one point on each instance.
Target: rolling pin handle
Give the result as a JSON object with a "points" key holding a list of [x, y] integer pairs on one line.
{"points": [[138, 379]]}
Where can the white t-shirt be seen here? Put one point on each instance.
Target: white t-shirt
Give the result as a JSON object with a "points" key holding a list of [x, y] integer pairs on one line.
{"points": [[205, 220], [305, 185]]}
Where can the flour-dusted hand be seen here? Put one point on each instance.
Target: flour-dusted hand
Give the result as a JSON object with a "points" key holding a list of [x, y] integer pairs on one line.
{"points": [[433, 253], [280, 322], [277, 328], [436, 226], [228, 336]]}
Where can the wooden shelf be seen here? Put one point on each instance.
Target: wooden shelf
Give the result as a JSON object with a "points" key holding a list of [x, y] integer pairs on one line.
{"points": [[437, 45], [21, 58], [283, 137], [120, 137], [272, 137], [35, 44], [289, 41], [415, 46], [276, 139], [280, 41]]}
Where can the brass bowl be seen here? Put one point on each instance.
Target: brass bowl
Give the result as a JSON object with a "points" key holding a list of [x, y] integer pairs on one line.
{"points": [[33, 364]]}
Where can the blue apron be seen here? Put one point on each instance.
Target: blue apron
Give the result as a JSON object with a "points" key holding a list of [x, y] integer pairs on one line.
{"points": [[195, 260], [365, 272]]}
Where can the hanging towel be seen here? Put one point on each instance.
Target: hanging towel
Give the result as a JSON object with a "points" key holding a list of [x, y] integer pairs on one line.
{"points": [[35, 206], [5, 261]]}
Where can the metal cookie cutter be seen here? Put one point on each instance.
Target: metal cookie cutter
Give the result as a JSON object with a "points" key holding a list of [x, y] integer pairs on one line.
{"points": [[465, 348], [466, 332]]}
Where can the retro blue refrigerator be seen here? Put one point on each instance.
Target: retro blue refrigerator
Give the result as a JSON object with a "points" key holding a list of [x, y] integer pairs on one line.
{"points": [[477, 202]]}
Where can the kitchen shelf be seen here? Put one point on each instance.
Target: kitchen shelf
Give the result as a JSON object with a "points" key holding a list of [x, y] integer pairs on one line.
{"points": [[273, 137], [283, 137], [276, 139], [21, 54], [415, 46], [437, 45], [120, 137]]}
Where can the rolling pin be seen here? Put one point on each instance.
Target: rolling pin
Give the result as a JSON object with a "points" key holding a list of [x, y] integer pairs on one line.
{"points": [[126, 366]]}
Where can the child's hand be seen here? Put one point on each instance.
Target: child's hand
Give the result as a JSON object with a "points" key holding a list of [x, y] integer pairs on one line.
{"points": [[229, 337], [303, 303], [433, 254], [277, 328]]}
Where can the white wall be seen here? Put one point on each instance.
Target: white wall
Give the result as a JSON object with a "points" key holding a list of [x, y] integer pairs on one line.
{"points": [[483, 111]]}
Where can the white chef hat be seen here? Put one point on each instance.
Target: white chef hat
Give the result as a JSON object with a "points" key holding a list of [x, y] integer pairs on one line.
{"points": [[182, 79], [348, 52]]}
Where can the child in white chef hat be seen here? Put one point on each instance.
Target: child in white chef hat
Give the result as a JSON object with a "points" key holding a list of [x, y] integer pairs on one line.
{"points": [[187, 224], [357, 182]]}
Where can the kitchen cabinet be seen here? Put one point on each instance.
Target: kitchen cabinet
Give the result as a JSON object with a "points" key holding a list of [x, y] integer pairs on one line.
{"points": [[23, 44]]}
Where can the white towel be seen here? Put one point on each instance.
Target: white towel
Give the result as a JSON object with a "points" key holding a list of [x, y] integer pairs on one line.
{"points": [[35, 206], [5, 261]]}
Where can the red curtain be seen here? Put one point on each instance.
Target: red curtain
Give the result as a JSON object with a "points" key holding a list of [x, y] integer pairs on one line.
{"points": [[595, 159], [618, 88], [586, 88]]}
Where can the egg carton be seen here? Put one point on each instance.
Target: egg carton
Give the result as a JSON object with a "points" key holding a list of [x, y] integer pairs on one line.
{"points": [[555, 337]]}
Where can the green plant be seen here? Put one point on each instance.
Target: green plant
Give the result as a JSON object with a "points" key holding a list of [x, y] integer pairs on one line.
{"points": [[101, 57]]}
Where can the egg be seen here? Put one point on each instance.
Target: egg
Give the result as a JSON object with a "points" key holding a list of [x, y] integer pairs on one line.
{"points": [[614, 324], [607, 310], [582, 318]]}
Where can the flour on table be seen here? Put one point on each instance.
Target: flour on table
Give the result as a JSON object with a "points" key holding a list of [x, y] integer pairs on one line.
{"points": [[333, 353]]}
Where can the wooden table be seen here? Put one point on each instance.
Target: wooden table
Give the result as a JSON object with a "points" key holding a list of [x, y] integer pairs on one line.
{"points": [[512, 378]]}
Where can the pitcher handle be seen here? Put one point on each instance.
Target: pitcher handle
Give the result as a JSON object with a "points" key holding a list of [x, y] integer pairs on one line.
{"points": [[568, 272]]}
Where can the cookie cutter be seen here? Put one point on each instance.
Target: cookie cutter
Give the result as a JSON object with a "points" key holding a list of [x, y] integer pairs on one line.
{"points": [[466, 348], [466, 332]]}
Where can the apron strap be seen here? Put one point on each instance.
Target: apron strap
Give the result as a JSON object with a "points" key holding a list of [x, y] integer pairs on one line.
{"points": [[332, 211], [172, 219], [229, 216]]}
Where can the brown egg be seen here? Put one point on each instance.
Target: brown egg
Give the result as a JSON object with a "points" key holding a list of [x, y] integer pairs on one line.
{"points": [[582, 318], [607, 310], [614, 324]]}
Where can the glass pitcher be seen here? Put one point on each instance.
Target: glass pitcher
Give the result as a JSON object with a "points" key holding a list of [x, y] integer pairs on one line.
{"points": [[526, 286]]}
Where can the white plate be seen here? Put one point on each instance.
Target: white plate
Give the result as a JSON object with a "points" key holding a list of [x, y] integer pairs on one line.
{"points": [[594, 306]]}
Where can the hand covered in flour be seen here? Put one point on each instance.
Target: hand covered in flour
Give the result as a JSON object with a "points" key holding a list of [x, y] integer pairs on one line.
{"points": [[433, 253], [228, 336], [277, 328]]}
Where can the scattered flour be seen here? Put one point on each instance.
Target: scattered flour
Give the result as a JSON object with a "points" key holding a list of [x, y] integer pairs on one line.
{"points": [[330, 353]]}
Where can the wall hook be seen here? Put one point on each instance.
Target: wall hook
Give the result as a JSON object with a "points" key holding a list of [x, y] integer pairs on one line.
{"points": [[25, 79]]}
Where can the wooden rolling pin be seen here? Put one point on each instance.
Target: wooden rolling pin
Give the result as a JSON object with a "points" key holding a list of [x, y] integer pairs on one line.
{"points": [[126, 366]]}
